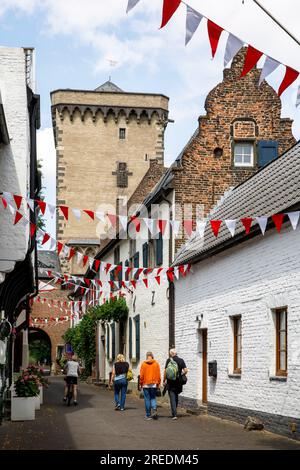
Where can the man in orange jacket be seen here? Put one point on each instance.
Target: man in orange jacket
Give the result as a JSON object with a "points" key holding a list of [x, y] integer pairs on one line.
{"points": [[149, 381]]}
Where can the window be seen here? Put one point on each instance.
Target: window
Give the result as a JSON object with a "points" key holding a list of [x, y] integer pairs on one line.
{"points": [[126, 266], [122, 134], [159, 250], [130, 338], [237, 345], [122, 175], [137, 337], [145, 255], [136, 262], [281, 341], [243, 154]]}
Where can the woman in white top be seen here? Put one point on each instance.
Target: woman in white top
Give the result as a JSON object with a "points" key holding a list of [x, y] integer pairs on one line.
{"points": [[72, 372]]}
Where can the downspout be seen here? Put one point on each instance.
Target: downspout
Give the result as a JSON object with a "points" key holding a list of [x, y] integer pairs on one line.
{"points": [[171, 297]]}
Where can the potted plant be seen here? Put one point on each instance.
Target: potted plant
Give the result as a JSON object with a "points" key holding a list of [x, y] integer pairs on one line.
{"points": [[38, 372], [24, 403]]}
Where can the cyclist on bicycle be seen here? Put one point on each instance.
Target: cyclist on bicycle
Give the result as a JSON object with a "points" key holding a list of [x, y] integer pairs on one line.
{"points": [[72, 371]]}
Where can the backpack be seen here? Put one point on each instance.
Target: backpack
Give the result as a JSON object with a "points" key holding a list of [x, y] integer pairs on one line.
{"points": [[172, 370]]}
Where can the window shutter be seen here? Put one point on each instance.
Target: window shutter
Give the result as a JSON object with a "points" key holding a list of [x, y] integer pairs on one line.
{"points": [[126, 266], [120, 276], [159, 250], [267, 151], [145, 255], [130, 338], [107, 342], [136, 261], [113, 341], [137, 337]]}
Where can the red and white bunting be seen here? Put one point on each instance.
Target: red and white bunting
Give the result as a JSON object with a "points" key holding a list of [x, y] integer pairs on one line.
{"points": [[131, 5], [169, 8], [251, 59], [201, 225], [76, 213], [193, 20], [100, 216], [30, 203], [175, 227], [269, 66], [231, 224], [294, 218], [214, 34], [290, 76], [51, 209], [262, 222], [233, 46], [123, 221]]}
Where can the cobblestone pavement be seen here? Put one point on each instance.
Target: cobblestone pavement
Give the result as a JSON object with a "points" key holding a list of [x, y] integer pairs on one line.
{"points": [[95, 425]]}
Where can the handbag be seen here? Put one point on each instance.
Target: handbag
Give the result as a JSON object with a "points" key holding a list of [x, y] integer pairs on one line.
{"points": [[183, 379], [129, 375]]}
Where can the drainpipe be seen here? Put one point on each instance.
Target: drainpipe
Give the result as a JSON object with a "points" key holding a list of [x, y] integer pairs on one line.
{"points": [[171, 296]]}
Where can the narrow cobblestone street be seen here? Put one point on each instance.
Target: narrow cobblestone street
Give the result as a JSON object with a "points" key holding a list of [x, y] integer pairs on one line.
{"points": [[94, 425]]}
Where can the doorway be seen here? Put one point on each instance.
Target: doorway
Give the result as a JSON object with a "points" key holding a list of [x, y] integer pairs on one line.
{"points": [[204, 366]]}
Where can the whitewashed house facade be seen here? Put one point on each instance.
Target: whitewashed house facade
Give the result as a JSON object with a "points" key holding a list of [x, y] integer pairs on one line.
{"points": [[240, 307], [19, 119]]}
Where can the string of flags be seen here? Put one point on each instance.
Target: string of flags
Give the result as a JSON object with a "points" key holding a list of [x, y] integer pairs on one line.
{"points": [[160, 225], [233, 45]]}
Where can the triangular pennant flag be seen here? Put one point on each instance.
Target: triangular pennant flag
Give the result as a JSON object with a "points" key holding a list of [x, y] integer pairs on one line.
{"points": [[8, 196], [72, 253], [77, 213], [262, 222], [251, 59], [46, 237], [157, 278], [18, 201], [18, 217], [4, 202], [65, 211], [294, 218], [113, 219], [175, 226], [42, 205], [193, 19], [32, 229], [136, 222], [161, 224], [59, 247], [51, 209], [215, 225], [289, 77], [131, 4], [145, 281], [170, 275], [269, 66], [169, 8], [30, 203], [201, 224], [214, 33], [12, 210], [176, 272], [91, 214], [188, 227], [107, 267], [150, 224], [52, 244], [230, 224], [247, 222], [100, 216], [133, 283], [85, 260], [278, 221], [97, 265], [298, 97], [91, 262], [123, 221], [79, 257], [233, 46]]}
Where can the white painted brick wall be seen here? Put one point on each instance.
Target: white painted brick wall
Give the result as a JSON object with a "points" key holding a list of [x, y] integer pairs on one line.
{"points": [[251, 280], [15, 157]]}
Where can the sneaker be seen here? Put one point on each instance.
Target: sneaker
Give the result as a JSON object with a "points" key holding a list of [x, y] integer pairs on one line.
{"points": [[122, 409], [117, 407], [174, 418], [148, 418], [155, 415], [64, 399], [75, 403]]}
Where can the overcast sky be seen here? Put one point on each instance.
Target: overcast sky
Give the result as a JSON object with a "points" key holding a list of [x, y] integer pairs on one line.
{"points": [[75, 39]]}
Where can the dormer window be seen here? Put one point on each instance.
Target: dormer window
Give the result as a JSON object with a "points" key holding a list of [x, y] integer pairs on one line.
{"points": [[243, 154]]}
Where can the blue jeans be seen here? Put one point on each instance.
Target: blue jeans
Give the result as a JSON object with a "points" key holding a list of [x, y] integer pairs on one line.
{"points": [[173, 401], [150, 400], [120, 386]]}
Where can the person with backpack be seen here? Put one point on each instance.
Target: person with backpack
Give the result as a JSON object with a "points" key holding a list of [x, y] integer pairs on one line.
{"points": [[150, 381], [174, 378]]}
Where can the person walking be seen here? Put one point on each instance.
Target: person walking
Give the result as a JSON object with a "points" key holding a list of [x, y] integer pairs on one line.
{"points": [[72, 371], [119, 380], [174, 378], [150, 381]]}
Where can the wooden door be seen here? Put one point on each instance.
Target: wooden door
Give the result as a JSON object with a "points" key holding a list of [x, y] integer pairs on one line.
{"points": [[204, 366]]}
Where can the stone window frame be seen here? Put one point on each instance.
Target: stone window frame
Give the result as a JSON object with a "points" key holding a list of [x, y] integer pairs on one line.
{"points": [[232, 370], [251, 140], [254, 158], [277, 312]]}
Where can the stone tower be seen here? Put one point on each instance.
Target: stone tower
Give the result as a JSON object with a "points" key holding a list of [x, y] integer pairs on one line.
{"points": [[105, 140]]}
